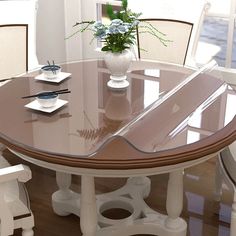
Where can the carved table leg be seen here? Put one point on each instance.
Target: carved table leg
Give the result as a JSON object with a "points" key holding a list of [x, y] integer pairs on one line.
{"points": [[88, 210], [142, 218], [63, 194], [174, 203]]}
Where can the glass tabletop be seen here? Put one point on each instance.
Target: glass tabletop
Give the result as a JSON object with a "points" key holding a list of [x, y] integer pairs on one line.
{"points": [[164, 108]]}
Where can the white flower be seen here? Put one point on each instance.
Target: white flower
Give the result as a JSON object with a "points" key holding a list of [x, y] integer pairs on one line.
{"points": [[113, 29], [116, 22], [117, 26], [135, 23], [123, 29], [98, 25]]}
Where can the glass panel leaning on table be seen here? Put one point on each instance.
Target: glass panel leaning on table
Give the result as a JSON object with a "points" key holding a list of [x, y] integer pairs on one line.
{"points": [[169, 118]]}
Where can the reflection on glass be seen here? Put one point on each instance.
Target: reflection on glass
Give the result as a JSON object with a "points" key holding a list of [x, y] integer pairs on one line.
{"points": [[152, 72], [117, 110], [195, 226], [195, 203], [225, 213], [223, 231], [192, 177], [230, 111], [195, 120], [151, 92], [118, 106], [192, 136]]}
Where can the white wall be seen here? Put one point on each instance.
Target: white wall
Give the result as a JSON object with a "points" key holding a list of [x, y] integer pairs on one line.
{"points": [[89, 12], [54, 23], [73, 15]]}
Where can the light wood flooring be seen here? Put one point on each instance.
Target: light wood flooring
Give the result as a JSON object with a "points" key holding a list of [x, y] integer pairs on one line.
{"points": [[204, 216]]}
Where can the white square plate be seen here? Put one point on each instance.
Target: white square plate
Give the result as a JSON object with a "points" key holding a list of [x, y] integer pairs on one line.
{"points": [[60, 77], [36, 106]]}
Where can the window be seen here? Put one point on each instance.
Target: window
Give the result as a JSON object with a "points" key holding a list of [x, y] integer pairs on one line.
{"points": [[219, 29]]}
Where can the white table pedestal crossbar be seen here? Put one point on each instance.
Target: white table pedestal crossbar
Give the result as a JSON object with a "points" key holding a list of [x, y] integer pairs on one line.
{"points": [[142, 219]]}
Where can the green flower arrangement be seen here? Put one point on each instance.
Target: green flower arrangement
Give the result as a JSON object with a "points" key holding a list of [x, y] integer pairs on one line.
{"points": [[120, 33]]}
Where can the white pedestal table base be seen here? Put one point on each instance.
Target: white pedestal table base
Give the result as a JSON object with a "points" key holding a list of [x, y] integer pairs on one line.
{"points": [[142, 219]]}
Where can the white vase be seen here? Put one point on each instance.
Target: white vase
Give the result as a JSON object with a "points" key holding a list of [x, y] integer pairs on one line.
{"points": [[118, 64]]}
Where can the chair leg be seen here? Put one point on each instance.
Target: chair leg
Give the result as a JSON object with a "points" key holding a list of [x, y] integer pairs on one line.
{"points": [[6, 218], [27, 225], [233, 217], [27, 232]]}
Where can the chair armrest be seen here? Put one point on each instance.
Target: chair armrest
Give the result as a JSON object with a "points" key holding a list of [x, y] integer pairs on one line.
{"points": [[20, 172]]}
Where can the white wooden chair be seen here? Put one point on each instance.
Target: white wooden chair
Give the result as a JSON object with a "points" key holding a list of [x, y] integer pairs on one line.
{"points": [[178, 32], [17, 55], [226, 172], [14, 202], [17, 37], [183, 10]]}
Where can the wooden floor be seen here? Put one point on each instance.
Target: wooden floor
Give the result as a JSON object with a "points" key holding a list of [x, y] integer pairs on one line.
{"points": [[204, 216]]}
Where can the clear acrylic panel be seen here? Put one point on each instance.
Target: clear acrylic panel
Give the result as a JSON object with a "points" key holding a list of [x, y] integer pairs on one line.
{"points": [[162, 109]]}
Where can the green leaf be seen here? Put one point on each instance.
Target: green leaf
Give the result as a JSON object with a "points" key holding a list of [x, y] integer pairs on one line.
{"points": [[105, 48], [110, 12], [124, 4], [129, 41], [119, 15], [84, 22]]}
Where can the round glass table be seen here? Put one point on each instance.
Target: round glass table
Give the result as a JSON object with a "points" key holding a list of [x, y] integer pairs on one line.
{"points": [[169, 118]]}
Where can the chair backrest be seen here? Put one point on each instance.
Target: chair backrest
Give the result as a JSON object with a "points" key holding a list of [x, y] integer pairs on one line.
{"points": [[13, 50], [18, 12], [178, 32], [182, 10]]}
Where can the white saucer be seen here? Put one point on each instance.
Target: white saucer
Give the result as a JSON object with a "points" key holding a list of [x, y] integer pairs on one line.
{"points": [[60, 77], [36, 106]]}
